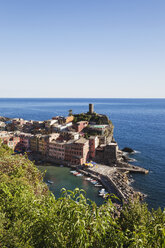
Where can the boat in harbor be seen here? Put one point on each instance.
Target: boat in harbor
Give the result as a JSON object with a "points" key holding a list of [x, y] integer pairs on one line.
{"points": [[50, 182], [74, 171], [88, 178], [94, 181], [103, 193], [79, 175], [98, 185]]}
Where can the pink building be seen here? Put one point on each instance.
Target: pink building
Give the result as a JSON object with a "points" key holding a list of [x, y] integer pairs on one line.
{"points": [[77, 152], [57, 150], [13, 142], [25, 141], [9, 139], [93, 144], [79, 126], [18, 121]]}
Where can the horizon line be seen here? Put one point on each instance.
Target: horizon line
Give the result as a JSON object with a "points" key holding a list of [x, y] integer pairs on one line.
{"points": [[82, 97]]}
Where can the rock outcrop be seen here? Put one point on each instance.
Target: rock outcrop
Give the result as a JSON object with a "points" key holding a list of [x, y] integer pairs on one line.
{"points": [[128, 149]]}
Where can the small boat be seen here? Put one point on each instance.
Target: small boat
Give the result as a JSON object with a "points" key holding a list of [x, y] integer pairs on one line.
{"points": [[102, 191], [88, 179], [50, 182], [97, 185], [79, 175], [94, 182], [73, 171], [101, 194], [104, 195]]}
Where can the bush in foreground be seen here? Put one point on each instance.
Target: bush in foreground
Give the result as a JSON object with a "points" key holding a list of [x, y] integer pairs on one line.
{"points": [[30, 216]]}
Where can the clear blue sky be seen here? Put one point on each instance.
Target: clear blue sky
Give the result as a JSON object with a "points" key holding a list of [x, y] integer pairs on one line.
{"points": [[82, 48]]}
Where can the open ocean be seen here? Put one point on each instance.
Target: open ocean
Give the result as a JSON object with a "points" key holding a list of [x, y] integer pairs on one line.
{"points": [[139, 124]]}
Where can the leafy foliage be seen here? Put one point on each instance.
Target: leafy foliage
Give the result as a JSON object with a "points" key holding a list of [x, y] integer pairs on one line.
{"points": [[81, 117], [30, 216]]}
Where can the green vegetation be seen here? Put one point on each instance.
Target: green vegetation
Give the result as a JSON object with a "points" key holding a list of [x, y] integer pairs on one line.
{"points": [[30, 216], [82, 117], [98, 119]]}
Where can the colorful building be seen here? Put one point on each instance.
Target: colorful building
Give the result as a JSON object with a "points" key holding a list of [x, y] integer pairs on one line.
{"points": [[13, 142], [79, 126], [93, 144], [24, 144], [77, 152], [34, 143], [57, 150], [43, 141]]}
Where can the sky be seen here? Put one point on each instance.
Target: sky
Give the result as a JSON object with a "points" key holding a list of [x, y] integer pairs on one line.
{"points": [[82, 48]]}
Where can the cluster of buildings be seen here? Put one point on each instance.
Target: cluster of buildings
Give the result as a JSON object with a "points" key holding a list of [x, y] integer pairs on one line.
{"points": [[58, 139]]}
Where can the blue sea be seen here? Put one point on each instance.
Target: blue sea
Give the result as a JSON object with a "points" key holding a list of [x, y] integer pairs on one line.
{"points": [[139, 124]]}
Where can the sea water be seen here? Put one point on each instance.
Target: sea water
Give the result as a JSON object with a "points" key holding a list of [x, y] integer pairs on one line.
{"points": [[139, 124]]}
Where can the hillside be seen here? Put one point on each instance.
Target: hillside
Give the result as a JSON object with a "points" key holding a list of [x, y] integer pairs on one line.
{"points": [[30, 216], [98, 119]]}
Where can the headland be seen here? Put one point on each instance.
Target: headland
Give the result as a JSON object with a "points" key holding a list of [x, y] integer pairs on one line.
{"points": [[74, 141]]}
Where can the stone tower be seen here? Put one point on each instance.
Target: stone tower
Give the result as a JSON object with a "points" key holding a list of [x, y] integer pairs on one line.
{"points": [[91, 108]]}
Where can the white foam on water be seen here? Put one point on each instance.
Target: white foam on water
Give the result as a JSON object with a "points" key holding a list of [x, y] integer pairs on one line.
{"points": [[136, 152], [132, 160]]}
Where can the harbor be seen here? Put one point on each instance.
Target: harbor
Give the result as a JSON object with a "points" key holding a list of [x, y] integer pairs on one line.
{"points": [[115, 179], [62, 178], [99, 181]]}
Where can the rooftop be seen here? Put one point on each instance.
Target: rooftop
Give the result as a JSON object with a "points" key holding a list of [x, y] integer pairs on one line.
{"points": [[81, 141]]}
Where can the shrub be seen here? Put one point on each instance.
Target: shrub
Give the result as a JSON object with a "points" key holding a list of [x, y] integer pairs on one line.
{"points": [[30, 216]]}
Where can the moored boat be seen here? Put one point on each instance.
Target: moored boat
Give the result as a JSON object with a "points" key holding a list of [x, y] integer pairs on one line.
{"points": [[79, 175], [98, 185], [94, 181], [102, 192], [73, 171], [50, 182], [88, 178]]}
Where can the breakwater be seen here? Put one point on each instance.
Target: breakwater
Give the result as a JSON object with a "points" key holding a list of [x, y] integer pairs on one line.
{"points": [[116, 181]]}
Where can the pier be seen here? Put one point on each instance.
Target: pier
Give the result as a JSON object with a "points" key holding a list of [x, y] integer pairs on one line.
{"points": [[115, 179], [133, 169]]}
